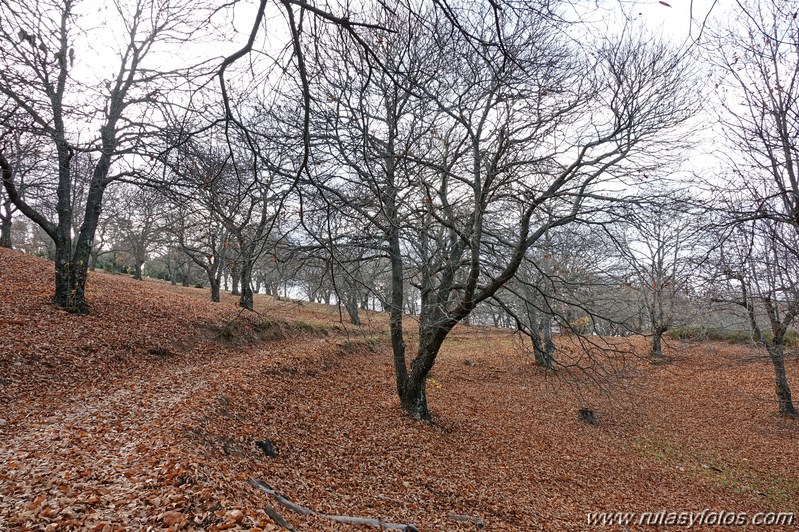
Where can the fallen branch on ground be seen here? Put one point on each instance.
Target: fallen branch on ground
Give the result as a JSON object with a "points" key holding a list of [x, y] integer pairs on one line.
{"points": [[476, 521], [377, 523]]}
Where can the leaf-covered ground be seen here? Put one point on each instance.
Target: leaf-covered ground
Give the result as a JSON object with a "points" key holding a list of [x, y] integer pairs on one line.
{"points": [[146, 412]]}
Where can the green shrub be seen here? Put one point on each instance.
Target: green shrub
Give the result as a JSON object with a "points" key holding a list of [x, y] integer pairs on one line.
{"points": [[735, 336]]}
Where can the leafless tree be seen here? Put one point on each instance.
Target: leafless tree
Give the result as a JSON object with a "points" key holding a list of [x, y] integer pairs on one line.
{"points": [[658, 242], [462, 159], [42, 47], [757, 59], [756, 266], [139, 227]]}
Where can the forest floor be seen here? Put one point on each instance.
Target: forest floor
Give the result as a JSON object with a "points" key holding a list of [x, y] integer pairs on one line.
{"points": [[145, 413]]}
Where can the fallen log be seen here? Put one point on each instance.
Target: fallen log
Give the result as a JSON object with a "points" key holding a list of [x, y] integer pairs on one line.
{"points": [[345, 519], [277, 518]]}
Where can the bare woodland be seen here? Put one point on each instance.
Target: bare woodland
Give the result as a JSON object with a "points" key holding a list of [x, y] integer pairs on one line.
{"points": [[432, 159], [520, 165]]}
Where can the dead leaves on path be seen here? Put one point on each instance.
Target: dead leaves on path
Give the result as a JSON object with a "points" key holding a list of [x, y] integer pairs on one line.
{"points": [[143, 415]]}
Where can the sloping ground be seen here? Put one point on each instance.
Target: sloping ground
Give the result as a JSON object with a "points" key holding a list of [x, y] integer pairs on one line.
{"points": [[146, 413]]}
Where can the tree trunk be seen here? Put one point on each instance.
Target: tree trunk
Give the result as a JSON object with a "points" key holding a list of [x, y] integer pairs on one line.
{"points": [[236, 278], [214, 291], [215, 281], [414, 400], [546, 334], [657, 343], [782, 389], [72, 272], [63, 276], [137, 266], [214, 284], [246, 299], [94, 258], [5, 227], [351, 305], [412, 388], [543, 347]]}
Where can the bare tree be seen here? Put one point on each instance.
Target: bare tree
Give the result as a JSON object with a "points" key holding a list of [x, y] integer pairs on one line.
{"points": [[757, 59], [138, 228], [230, 190], [755, 270], [658, 243], [462, 159], [40, 53]]}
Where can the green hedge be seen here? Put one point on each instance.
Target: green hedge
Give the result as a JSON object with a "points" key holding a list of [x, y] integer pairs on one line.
{"points": [[726, 335]]}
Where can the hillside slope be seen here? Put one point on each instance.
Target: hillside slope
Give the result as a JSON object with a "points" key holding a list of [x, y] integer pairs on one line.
{"points": [[146, 413]]}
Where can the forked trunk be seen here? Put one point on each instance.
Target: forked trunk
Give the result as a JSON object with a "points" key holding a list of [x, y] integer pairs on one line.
{"points": [[70, 282]]}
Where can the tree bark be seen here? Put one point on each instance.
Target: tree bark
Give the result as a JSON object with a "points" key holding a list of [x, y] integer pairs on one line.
{"points": [[351, 305], [137, 269], [541, 351], [657, 343], [246, 298], [214, 283], [5, 225], [782, 389], [414, 400], [235, 277]]}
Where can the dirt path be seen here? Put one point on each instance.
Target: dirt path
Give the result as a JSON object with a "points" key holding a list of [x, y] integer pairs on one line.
{"points": [[96, 454]]}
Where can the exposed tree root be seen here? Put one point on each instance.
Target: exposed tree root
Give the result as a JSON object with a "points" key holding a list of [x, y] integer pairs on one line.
{"points": [[377, 523]]}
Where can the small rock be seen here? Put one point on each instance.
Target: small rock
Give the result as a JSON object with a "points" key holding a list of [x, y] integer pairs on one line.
{"points": [[267, 447], [3, 421], [587, 415]]}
